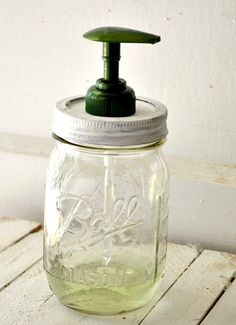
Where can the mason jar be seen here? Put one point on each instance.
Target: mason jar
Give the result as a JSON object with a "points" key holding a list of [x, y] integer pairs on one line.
{"points": [[106, 208]]}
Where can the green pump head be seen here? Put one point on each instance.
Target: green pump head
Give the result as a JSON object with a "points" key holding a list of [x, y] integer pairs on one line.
{"points": [[111, 96]]}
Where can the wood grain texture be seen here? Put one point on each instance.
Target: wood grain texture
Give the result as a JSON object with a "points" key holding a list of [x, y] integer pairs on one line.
{"points": [[197, 289], [195, 292], [24, 297], [178, 259], [195, 207], [224, 312], [184, 169], [19, 257], [203, 171], [12, 230]]}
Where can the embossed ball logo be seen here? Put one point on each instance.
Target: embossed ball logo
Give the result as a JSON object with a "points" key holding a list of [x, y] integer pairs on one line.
{"points": [[90, 224]]}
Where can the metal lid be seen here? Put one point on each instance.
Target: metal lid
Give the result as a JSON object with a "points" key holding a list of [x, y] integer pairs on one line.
{"points": [[73, 124]]}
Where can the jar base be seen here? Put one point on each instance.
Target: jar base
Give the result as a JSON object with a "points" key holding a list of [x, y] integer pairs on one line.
{"points": [[103, 301], [99, 313]]}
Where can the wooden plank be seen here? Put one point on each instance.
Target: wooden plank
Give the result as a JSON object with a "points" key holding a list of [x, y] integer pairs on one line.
{"points": [[24, 297], [19, 257], [24, 144], [184, 169], [204, 204], [12, 230], [224, 311], [52, 312], [203, 171], [195, 292]]}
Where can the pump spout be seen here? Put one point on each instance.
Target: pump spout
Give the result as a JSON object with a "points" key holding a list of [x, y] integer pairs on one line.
{"points": [[111, 58], [111, 97]]}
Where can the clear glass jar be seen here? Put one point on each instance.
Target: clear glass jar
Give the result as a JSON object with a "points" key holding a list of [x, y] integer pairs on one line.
{"points": [[106, 215]]}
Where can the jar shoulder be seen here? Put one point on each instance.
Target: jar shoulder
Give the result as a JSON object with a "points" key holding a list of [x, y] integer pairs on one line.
{"points": [[150, 161]]}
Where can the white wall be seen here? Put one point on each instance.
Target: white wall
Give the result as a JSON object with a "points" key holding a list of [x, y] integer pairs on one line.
{"points": [[44, 58]]}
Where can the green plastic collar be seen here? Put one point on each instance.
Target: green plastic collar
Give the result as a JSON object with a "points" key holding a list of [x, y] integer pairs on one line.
{"points": [[111, 96]]}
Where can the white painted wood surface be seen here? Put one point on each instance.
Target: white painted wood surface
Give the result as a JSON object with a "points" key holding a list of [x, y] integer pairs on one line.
{"points": [[203, 213], [12, 230], [17, 258], [224, 312], [201, 194], [185, 169], [178, 259], [196, 291], [198, 288], [24, 297]]}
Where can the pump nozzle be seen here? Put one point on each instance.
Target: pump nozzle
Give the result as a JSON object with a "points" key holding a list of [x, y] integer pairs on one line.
{"points": [[111, 96]]}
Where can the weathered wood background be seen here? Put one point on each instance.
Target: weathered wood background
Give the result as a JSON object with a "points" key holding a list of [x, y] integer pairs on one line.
{"points": [[198, 286]]}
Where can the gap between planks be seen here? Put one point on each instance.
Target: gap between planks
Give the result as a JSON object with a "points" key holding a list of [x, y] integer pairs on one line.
{"points": [[220, 298], [183, 264], [199, 250], [195, 292], [218, 314], [18, 258], [13, 230], [211, 307], [46, 308]]}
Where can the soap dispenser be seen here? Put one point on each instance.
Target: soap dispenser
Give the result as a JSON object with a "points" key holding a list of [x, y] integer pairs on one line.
{"points": [[106, 206]]}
